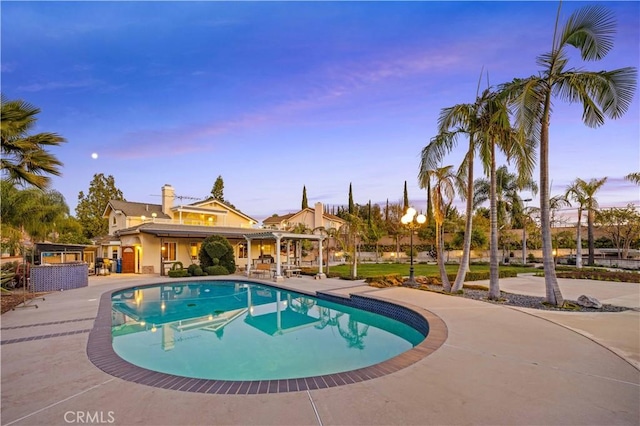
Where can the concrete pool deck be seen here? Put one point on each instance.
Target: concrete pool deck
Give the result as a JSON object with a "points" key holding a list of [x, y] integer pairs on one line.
{"points": [[499, 365]]}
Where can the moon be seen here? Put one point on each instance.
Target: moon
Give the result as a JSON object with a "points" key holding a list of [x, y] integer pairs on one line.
{"points": [[94, 155]]}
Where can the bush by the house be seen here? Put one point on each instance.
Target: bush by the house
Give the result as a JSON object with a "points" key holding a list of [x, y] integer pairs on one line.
{"points": [[195, 270], [217, 251], [217, 270], [178, 273]]}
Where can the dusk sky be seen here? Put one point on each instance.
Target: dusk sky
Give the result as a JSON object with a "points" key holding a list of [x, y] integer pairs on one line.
{"points": [[274, 96]]}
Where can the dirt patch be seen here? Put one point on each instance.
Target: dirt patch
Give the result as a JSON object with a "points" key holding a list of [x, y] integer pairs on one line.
{"points": [[15, 298]]}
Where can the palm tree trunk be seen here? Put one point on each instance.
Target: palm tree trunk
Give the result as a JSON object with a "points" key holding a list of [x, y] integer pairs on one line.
{"points": [[446, 285], [553, 294], [466, 245], [591, 260], [579, 241], [494, 275]]}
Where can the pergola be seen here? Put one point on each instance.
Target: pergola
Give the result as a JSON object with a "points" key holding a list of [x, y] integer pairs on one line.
{"points": [[288, 237]]}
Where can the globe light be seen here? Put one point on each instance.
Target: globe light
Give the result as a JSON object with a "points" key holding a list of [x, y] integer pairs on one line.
{"points": [[412, 222]]}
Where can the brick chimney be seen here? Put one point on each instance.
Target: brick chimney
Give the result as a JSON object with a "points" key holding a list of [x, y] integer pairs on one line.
{"points": [[168, 195]]}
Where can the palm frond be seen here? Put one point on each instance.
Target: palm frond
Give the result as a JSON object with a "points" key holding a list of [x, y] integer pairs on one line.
{"points": [[590, 29]]}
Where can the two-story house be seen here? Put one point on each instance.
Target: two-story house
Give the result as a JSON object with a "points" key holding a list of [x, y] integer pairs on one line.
{"points": [[148, 238]]}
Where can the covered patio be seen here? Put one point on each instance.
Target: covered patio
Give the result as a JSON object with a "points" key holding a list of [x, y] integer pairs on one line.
{"points": [[285, 237]]}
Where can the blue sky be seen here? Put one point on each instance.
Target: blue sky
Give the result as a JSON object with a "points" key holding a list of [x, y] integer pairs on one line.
{"points": [[276, 95]]}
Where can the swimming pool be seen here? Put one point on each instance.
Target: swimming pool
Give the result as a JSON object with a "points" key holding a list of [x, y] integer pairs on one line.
{"points": [[101, 354], [243, 331]]}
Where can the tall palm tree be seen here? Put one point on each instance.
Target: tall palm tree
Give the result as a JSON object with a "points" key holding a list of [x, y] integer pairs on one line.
{"points": [[442, 194], [602, 93], [453, 121], [24, 157], [486, 123]]}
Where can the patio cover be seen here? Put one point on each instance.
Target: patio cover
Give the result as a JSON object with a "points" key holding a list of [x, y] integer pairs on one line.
{"points": [[286, 236]]}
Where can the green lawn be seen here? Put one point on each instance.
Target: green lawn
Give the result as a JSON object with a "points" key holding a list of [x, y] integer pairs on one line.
{"points": [[377, 269]]}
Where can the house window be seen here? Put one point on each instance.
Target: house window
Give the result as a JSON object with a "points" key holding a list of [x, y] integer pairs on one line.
{"points": [[195, 249], [114, 220], [169, 251], [242, 251]]}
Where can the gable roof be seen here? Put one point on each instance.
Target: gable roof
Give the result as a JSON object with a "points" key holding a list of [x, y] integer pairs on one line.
{"points": [[272, 220], [277, 219], [198, 206], [132, 209]]}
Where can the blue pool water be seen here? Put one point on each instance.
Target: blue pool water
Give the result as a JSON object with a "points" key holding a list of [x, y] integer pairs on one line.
{"points": [[229, 330]]}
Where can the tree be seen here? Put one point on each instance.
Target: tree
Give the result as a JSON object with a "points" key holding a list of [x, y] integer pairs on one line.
{"points": [[305, 203], [486, 124], [509, 204], [91, 206], [405, 198], [602, 93], [442, 194], [393, 213], [32, 211], [217, 192], [217, 251], [633, 177], [575, 193], [25, 160], [589, 190], [621, 225], [351, 205]]}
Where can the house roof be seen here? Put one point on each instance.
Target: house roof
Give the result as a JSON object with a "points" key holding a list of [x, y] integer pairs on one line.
{"points": [[186, 231], [192, 231], [198, 207], [133, 209], [279, 219]]}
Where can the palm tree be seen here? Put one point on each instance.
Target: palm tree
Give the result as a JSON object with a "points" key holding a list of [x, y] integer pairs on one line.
{"points": [[32, 211], [633, 177], [24, 157], [508, 188], [589, 190], [602, 93], [442, 194], [576, 194], [453, 121]]}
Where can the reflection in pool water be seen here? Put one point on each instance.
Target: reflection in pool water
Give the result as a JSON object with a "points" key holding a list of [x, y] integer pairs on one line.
{"points": [[230, 330]]}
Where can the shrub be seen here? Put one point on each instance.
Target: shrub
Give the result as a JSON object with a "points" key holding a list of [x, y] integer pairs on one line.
{"points": [[217, 270], [178, 273], [217, 251], [177, 266], [195, 270]]}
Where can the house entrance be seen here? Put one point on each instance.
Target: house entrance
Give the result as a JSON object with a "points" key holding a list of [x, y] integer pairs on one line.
{"points": [[128, 260]]}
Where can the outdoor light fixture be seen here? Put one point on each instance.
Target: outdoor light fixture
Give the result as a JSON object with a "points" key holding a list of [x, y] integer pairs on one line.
{"points": [[412, 222]]}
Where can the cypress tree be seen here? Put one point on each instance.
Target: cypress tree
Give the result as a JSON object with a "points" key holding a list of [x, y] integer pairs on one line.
{"points": [[305, 203], [406, 197], [351, 207]]}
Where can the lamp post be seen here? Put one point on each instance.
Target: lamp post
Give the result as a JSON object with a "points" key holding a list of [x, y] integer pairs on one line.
{"points": [[524, 234], [412, 222]]}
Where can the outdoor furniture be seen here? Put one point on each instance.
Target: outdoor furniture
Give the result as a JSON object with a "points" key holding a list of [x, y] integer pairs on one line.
{"points": [[261, 269], [292, 272]]}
